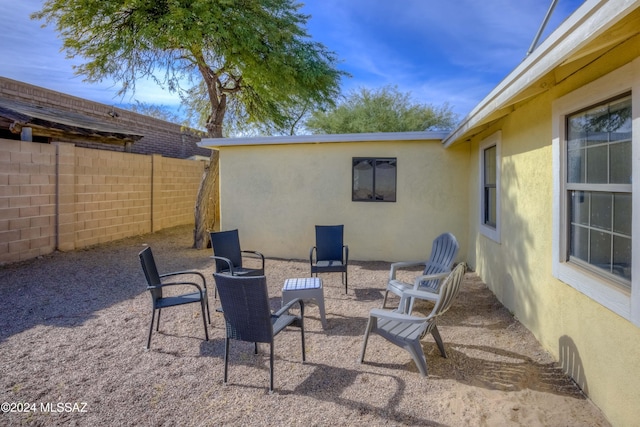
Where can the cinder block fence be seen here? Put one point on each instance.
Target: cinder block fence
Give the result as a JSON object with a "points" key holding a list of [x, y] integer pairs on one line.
{"points": [[62, 197]]}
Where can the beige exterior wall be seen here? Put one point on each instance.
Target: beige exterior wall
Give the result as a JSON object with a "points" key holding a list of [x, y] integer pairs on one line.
{"points": [[597, 347], [64, 197], [276, 194]]}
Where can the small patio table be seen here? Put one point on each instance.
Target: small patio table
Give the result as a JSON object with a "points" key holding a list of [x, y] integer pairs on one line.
{"points": [[305, 288]]}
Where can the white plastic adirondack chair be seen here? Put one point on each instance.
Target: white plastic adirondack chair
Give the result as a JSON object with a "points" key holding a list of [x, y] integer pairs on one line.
{"points": [[443, 254], [406, 331]]}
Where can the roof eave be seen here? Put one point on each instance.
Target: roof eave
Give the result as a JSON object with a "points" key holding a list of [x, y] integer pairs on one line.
{"points": [[323, 139], [586, 23]]}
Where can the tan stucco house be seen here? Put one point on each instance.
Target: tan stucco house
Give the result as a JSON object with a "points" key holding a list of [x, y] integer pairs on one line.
{"points": [[536, 183]]}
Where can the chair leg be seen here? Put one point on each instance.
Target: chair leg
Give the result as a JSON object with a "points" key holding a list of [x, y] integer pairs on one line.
{"points": [[345, 279], [302, 337], [255, 348], [271, 368], [438, 339], [208, 309], [204, 321], [366, 338], [226, 359], [158, 324], [417, 354], [153, 314], [384, 300]]}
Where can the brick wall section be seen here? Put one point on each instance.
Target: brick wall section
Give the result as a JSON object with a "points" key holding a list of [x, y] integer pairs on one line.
{"points": [[160, 137], [112, 195], [173, 191], [27, 200], [65, 197]]}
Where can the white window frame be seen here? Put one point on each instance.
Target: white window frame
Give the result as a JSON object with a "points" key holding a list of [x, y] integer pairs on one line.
{"points": [[621, 301], [495, 139]]}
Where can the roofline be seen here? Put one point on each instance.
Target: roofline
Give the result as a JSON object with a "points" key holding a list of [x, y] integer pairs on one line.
{"points": [[592, 18], [323, 139]]}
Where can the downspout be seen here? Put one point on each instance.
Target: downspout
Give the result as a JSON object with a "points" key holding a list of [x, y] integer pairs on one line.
{"points": [[542, 27]]}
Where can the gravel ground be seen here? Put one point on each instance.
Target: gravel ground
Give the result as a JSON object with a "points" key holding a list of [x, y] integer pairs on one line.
{"points": [[73, 328]]}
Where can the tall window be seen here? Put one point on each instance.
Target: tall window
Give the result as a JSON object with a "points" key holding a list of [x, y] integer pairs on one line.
{"points": [[374, 179], [599, 188], [490, 187], [594, 160]]}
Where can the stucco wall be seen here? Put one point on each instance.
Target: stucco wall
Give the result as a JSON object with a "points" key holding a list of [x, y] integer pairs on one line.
{"points": [[597, 347], [276, 194]]}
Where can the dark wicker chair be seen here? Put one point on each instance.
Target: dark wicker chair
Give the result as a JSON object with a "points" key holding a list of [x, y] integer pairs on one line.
{"points": [[248, 317], [228, 255], [155, 286], [330, 254]]}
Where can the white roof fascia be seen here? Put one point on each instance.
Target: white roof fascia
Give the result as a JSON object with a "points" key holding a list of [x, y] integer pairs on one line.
{"points": [[322, 139], [587, 22]]}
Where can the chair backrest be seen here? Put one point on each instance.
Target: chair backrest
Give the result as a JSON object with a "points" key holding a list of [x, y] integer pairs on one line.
{"points": [[245, 304], [443, 254], [226, 244], [329, 242], [150, 271], [448, 291]]}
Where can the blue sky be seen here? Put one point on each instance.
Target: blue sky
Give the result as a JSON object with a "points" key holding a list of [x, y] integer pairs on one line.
{"points": [[453, 51]]}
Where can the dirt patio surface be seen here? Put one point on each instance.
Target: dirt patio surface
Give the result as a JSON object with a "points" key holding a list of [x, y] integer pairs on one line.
{"points": [[73, 327]]}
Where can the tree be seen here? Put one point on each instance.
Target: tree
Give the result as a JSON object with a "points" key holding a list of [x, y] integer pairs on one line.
{"points": [[255, 54], [382, 110]]}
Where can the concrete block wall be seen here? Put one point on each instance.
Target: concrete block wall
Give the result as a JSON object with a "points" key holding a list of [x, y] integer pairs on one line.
{"points": [[27, 200], [63, 197], [174, 186]]}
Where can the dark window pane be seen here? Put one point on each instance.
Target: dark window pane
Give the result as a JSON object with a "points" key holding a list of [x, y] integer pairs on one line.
{"points": [[580, 202], [597, 162], [490, 204], [622, 257], [600, 249], [362, 179], [620, 166], [576, 166], [622, 209], [385, 181], [490, 165], [601, 210], [579, 243]]}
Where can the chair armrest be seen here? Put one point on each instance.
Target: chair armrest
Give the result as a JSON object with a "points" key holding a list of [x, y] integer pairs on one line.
{"points": [[256, 255], [345, 251], [404, 264], [177, 273], [394, 315], [415, 293], [422, 278], [313, 248], [227, 260], [288, 306], [163, 285]]}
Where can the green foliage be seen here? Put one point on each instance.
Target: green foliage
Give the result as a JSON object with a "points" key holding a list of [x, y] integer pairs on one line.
{"points": [[255, 53], [382, 110]]}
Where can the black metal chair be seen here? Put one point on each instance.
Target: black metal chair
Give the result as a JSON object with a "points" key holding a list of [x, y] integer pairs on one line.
{"points": [[228, 255], [248, 317], [155, 286], [331, 254]]}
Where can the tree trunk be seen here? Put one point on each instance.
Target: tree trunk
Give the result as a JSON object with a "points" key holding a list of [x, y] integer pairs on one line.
{"points": [[206, 209]]}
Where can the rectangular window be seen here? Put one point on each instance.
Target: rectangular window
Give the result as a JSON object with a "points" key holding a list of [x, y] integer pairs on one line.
{"points": [[598, 200], [374, 179], [490, 187], [594, 160]]}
